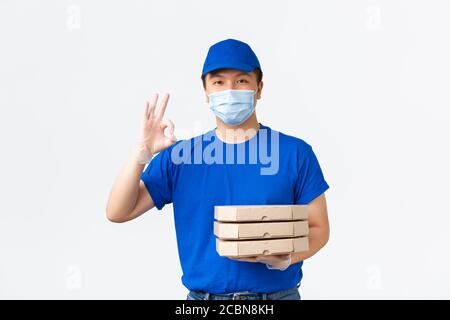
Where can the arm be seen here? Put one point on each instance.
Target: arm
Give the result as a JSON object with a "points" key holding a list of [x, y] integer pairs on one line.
{"points": [[319, 229], [129, 197]]}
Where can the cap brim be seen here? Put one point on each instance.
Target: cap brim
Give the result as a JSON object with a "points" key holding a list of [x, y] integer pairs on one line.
{"points": [[238, 66]]}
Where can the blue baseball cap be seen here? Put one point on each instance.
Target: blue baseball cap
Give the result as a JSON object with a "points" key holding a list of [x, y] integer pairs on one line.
{"points": [[230, 54]]}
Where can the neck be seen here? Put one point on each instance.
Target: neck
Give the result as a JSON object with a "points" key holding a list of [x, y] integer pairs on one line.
{"points": [[237, 134]]}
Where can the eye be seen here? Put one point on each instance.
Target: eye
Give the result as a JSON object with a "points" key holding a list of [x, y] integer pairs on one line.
{"points": [[242, 81], [217, 82]]}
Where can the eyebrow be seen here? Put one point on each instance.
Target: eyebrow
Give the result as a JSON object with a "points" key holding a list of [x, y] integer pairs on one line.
{"points": [[220, 75]]}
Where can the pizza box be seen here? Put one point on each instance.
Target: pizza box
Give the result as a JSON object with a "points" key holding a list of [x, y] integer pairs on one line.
{"points": [[244, 248], [261, 213], [260, 230]]}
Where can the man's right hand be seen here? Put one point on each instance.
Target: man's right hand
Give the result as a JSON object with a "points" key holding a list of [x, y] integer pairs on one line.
{"points": [[153, 139]]}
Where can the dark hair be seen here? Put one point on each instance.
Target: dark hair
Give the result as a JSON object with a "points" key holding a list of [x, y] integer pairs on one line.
{"points": [[258, 71]]}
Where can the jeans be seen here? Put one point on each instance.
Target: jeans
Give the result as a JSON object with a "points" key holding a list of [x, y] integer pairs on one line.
{"points": [[289, 294]]}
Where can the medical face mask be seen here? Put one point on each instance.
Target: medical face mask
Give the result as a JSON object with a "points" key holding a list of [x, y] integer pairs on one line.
{"points": [[232, 106]]}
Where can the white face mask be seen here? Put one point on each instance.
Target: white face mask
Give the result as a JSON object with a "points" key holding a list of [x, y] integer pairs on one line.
{"points": [[232, 106]]}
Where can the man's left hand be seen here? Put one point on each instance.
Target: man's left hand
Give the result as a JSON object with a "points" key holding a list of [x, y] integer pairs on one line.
{"points": [[280, 261]]}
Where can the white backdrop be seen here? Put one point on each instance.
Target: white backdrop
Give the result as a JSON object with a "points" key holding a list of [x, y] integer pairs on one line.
{"points": [[365, 82]]}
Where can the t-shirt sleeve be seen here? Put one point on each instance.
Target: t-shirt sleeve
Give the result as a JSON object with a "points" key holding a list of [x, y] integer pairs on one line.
{"points": [[310, 181], [157, 178]]}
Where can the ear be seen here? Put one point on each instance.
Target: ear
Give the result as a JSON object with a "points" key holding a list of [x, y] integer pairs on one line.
{"points": [[260, 87], [206, 97]]}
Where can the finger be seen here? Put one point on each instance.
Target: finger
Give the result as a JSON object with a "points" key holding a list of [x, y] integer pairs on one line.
{"points": [[272, 258], [168, 124], [151, 109], [170, 139], [262, 259], [246, 259], [145, 115], [266, 258], [163, 106]]}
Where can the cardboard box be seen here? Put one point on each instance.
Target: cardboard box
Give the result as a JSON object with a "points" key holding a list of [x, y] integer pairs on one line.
{"points": [[235, 249], [260, 230], [261, 213]]}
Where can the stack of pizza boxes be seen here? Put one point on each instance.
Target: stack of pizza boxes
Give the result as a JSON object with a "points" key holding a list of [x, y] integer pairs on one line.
{"points": [[245, 231]]}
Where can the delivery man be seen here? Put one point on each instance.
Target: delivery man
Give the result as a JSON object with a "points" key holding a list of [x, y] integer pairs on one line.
{"points": [[240, 162]]}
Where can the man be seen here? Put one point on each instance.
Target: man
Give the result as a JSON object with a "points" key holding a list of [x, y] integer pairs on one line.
{"points": [[229, 165]]}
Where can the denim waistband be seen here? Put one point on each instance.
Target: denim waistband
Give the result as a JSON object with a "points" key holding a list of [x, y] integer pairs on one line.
{"points": [[244, 295]]}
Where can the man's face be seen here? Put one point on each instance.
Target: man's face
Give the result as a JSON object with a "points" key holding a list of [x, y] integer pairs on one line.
{"points": [[225, 79]]}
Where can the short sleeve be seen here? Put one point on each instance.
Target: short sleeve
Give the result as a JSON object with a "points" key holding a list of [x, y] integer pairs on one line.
{"points": [[310, 181], [157, 178]]}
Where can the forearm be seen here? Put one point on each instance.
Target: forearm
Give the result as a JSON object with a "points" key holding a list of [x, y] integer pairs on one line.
{"points": [[125, 190], [318, 237]]}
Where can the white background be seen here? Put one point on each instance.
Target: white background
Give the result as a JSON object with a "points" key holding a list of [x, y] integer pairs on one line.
{"points": [[366, 83]]}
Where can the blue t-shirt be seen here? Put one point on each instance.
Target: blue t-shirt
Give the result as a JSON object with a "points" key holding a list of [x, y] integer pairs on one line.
{"points": [[197, 174]]}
